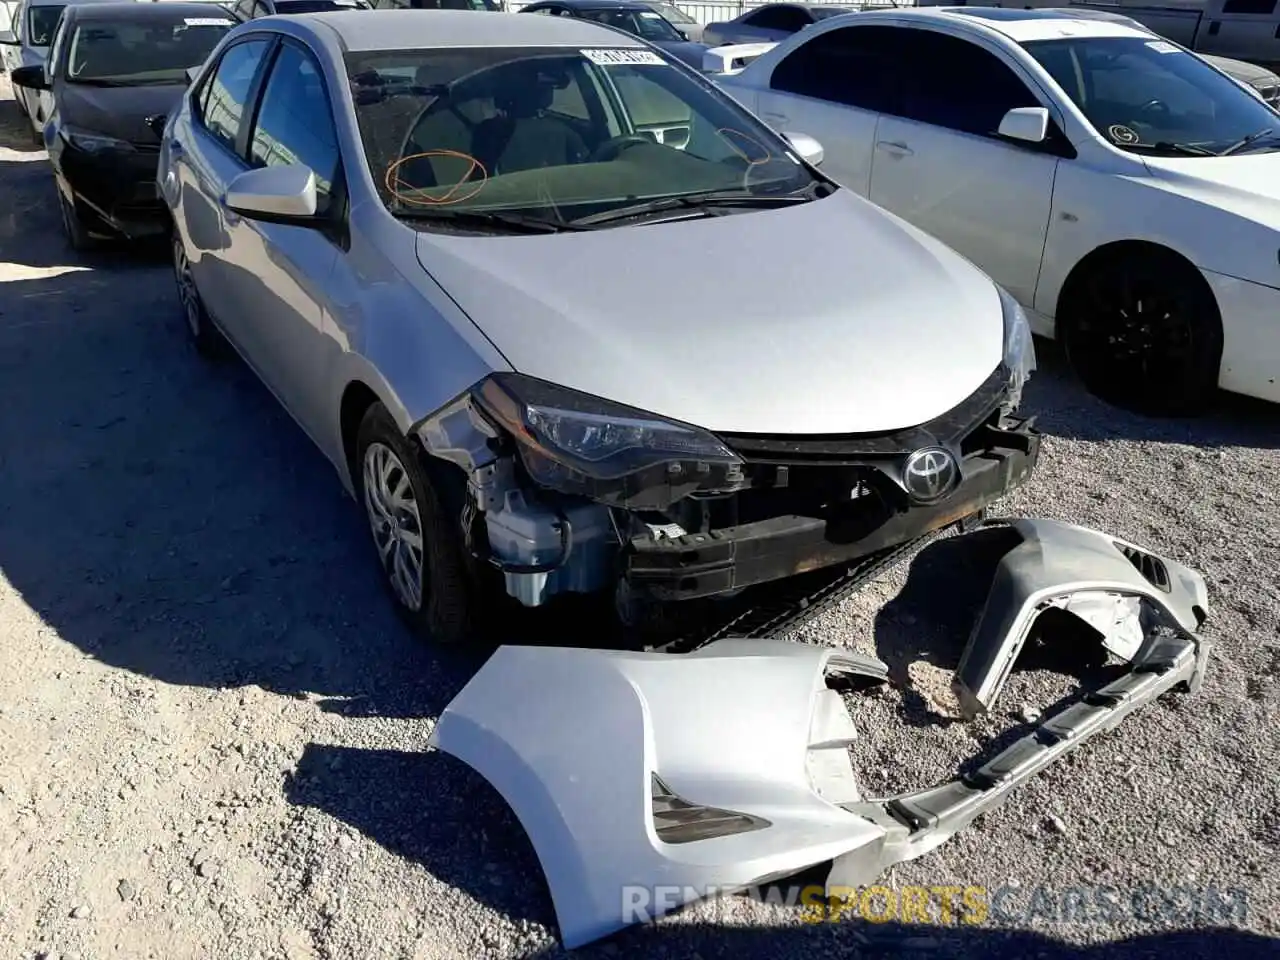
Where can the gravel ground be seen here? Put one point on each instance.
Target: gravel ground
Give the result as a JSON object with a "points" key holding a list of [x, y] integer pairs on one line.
{"points": [[212, 726]]}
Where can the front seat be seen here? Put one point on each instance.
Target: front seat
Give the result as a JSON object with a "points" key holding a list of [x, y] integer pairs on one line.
{"points": [[522, 137]]}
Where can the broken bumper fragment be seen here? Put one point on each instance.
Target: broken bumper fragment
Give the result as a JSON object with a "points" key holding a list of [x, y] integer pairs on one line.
{"points": [[639, 792], [1119, 589]]}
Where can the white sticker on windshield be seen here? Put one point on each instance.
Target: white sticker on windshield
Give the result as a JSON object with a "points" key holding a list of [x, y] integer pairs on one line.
{"points": [[1161, 46], [206, 22], [606, 58]]}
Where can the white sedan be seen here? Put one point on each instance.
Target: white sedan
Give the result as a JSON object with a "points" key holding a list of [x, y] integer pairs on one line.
{"points": [[1123, 190]]}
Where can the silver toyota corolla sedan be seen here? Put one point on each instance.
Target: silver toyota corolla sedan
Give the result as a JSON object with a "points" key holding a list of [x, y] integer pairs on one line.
{"points": [[567, 319]]}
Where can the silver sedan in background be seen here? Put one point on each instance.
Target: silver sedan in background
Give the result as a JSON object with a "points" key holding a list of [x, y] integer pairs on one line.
{"points": [[446, 244], [769, 23]]}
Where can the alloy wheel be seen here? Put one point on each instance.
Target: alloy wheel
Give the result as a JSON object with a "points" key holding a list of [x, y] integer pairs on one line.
{"points": [[186, 287], [1130, 331], [395, 522]]}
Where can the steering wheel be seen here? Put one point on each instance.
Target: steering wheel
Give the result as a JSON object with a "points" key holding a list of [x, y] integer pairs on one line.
{"points": [[614, 146]]}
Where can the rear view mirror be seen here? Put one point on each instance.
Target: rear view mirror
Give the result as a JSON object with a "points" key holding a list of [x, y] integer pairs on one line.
{"points": [[810, 150], [32, 78], [1028, 124], [275, 194]]}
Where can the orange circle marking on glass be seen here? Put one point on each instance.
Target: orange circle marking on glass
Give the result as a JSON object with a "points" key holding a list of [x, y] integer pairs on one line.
{"points": [[398, 188], [726, 134]]}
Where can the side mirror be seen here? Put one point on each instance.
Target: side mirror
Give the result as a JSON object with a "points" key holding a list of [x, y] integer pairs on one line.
{"points": [[7, 39], [157, 122], [285, 194], [32, 78], [192, 73], [810, 150], [1028, 124]]}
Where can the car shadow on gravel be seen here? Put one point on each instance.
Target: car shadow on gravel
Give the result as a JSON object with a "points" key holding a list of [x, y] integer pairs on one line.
{"points": [[932, 617], [858, 938], [433, 810], [1064, 409], [167, 517]]}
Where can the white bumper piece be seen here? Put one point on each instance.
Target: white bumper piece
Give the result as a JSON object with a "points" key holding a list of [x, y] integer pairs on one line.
{"points": [[727, 768]]}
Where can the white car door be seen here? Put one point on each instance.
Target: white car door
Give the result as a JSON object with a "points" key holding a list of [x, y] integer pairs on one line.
{"points": [[831, 87], [940, 165]]}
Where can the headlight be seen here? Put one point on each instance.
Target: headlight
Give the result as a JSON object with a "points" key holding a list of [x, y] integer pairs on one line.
{"points": [[96, 143], [1019, 350], [583, 445]]}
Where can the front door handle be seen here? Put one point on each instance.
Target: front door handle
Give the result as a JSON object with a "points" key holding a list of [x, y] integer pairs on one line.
{"points": [[892, 146]]}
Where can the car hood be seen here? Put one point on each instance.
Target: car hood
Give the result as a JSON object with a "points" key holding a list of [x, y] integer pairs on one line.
{"points": [[686, 50], [117, 111], [1250, 73], [1247, 185], [829, 317]]}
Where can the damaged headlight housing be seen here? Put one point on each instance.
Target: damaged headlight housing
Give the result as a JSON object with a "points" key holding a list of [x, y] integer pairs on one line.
{"points": [[1019, 350], [96, 143], [583, 445]]}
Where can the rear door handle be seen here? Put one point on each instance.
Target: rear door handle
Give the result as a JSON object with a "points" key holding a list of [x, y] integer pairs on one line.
{"points": [[892, 146]]}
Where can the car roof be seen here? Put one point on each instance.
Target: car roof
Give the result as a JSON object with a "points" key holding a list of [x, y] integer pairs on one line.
{"points": [[133, 11], [364, 31], [599, 4], [1020, 26]]}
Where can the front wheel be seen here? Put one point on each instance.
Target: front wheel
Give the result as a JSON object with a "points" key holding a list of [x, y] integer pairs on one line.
{"points": [[1143, 332], [203, 334], [417, 538], [78, 236]]}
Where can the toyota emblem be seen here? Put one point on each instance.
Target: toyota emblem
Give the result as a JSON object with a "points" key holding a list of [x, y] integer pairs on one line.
{"points": [[929, 474]]}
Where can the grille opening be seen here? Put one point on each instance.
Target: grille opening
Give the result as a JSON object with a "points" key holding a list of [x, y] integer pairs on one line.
{"points": [[1151, 568], [678, 821]]}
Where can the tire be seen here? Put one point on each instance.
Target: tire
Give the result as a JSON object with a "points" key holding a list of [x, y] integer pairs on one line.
{"points": [[433, 585], [1143, 332], [200, 329], [78, 236]]}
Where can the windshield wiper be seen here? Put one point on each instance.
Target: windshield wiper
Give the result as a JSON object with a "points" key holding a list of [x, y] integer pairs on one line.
{"points": [[1168, 146], [1246, 141], [513, 222], [697, 201]]}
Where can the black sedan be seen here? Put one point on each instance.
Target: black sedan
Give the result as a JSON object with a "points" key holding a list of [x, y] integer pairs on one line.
{"points": [[115, 71], [631, 16]]}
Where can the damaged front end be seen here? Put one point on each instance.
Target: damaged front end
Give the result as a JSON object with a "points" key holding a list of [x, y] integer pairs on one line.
{"points": [[570, 493], [639, 792]]}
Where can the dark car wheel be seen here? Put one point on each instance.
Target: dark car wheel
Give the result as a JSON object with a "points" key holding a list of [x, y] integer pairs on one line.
{"points": [[78, 235], [204, 335], [418, 539], [1143, 332]]}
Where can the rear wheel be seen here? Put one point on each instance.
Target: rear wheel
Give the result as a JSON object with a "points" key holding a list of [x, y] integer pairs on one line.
{"points": [[417, 532], [1143, 332]]}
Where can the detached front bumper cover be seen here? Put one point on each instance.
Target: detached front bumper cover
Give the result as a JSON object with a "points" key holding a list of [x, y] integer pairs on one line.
{"points": [[639, 790]]}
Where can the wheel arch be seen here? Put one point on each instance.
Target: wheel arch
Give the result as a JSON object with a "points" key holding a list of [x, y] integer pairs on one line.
{"points": [[1118, 250]]}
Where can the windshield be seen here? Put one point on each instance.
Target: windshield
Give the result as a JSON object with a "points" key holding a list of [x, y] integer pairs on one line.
{"points": [[318, 6], [1148, 95], [673, 13], [638, 23], [133, 52], [41, 22], [555, 133]]}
